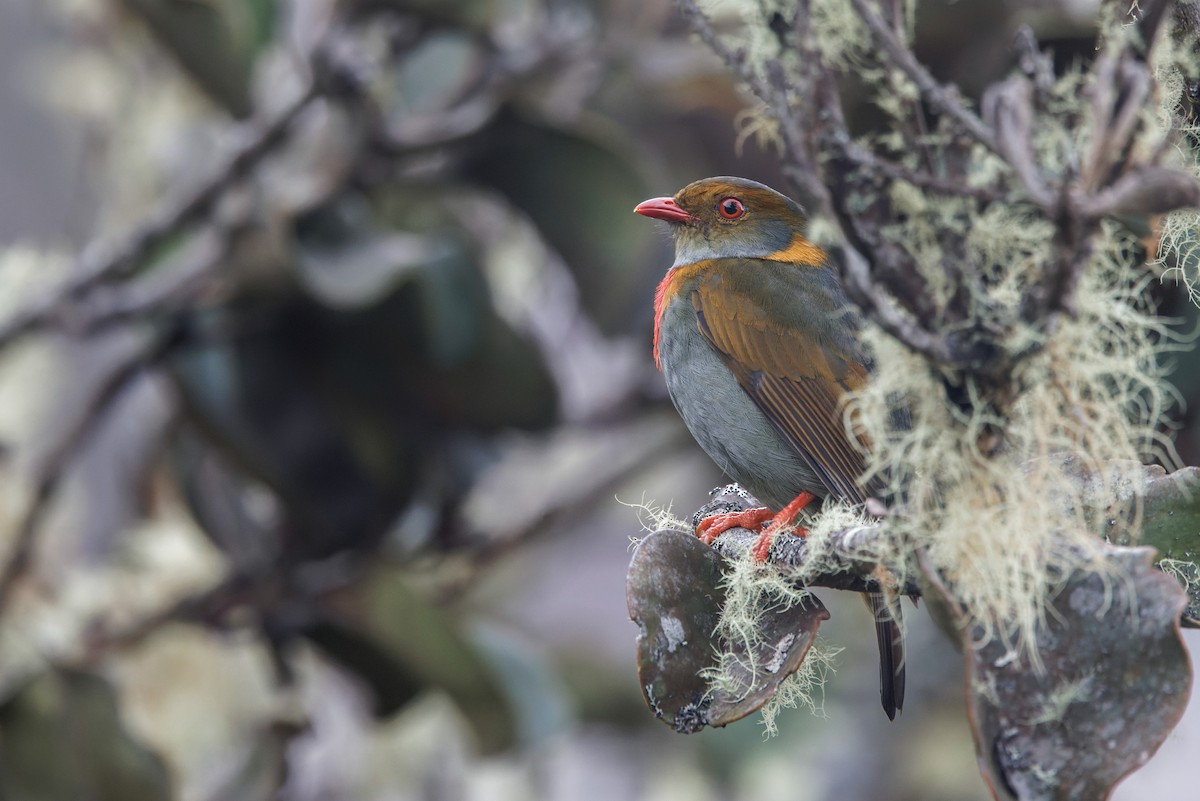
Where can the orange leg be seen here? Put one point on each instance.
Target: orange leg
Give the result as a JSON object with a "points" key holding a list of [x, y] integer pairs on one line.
{"points": [[714, 526], [762, 546]]}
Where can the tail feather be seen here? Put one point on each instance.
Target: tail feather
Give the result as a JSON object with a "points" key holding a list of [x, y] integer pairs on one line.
{"points": [[891, 653]]}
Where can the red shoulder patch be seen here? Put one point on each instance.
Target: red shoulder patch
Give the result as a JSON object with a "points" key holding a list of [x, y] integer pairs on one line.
{"points": [[660, 304]]}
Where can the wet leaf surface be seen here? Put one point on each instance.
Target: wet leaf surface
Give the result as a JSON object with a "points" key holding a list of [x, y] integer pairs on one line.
{"points": [[1114, 681], [674, 594]]}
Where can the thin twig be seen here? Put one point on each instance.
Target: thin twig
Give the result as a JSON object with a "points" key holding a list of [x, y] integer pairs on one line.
{"points": [[165, 290], [856, 274], [919, 178], [772, 91], [946, 100]]}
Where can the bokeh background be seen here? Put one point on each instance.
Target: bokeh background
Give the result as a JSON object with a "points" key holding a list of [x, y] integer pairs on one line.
{"points": [[360, 529]]}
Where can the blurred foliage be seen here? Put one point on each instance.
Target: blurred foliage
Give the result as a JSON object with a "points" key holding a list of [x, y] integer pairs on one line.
{"points": [[217, 42]]}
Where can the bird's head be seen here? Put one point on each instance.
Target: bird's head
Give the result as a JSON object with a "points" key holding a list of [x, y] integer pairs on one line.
{"points": [[728, 217]]}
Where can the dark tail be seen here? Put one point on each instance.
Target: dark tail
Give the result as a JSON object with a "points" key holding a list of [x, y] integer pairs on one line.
{"points": [[891, 653]]}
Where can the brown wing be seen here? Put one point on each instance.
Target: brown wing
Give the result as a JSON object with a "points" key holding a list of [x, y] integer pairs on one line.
{"points": [[797, 381]]}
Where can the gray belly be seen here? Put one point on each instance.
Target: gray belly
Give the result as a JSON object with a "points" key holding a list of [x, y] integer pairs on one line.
{"points": [[723, 418]]}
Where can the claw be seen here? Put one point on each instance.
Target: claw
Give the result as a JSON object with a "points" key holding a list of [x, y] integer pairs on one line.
{"points": [[714, 526]]}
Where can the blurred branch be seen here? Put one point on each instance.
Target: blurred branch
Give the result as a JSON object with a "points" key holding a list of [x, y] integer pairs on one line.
{"points": [[104, 260], [944, 99], [56, 464]]}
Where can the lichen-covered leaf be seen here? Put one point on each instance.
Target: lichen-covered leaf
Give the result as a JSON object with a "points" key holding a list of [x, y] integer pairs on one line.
{"points": [[63, 739], [1112, 683], [674, 594]]}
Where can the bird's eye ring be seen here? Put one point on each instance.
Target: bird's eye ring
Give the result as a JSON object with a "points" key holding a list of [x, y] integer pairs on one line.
{"points": [[731, 208]]}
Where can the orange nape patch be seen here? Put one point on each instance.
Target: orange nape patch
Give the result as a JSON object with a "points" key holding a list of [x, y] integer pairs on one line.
{"points": [[800, 251]]}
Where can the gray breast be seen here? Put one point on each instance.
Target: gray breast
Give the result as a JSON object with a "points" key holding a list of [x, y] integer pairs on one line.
{"points": [[723, 418]]}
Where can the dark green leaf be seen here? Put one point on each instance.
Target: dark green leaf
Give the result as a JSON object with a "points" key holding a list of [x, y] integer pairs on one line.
{"points": [[215, 42], [306, 413], [1171, 523], [63, 740]]}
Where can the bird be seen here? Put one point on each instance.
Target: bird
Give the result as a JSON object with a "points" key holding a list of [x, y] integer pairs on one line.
{"points": [[758, 345]]}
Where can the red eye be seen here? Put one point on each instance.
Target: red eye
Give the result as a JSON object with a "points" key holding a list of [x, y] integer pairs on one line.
{"points": [[731, 208]]}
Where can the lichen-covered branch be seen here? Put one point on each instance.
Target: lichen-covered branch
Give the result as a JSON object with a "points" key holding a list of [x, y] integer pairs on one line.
{"points": [[839, 174]]}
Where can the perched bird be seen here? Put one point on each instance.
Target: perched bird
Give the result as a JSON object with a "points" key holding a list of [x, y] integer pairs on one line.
{"points": [[758, 345]]}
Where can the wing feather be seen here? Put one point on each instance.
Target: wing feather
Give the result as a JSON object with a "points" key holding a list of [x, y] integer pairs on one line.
{"points": [[793, 377]]}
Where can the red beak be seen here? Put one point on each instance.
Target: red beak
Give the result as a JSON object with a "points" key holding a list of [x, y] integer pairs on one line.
{"points": [[663, 208]]}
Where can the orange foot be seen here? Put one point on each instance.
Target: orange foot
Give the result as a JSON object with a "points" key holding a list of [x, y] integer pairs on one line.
{"points": [[761, 548], [714, 526]]}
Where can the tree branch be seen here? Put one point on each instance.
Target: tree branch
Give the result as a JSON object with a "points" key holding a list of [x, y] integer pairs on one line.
{"points": [[58, 461], [850, 561], [940, 97], [103, 260]]}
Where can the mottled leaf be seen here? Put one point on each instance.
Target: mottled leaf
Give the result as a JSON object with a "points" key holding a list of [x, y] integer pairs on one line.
{"points": [[63, 739], [1112, 682], [674, 594]]}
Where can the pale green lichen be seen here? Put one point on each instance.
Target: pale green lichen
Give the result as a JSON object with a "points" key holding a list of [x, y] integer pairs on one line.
{"points": [[1178, 244], [804, 688], [753, 591], [655, 517], [985, 490]]}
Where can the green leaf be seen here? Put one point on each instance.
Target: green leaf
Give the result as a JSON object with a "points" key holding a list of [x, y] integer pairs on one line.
{"points": [[273, 383], [1171, 523], [579, 190], [400, 645], [63, 739]]}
